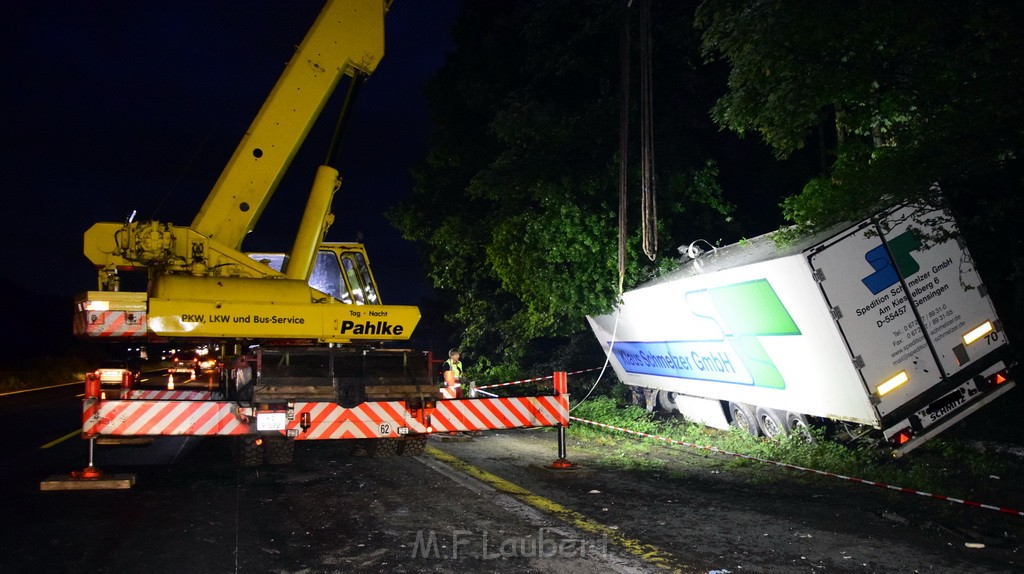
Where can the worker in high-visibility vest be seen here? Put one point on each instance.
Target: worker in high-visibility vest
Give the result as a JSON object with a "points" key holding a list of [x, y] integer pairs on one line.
{"points": [[452, 372]]}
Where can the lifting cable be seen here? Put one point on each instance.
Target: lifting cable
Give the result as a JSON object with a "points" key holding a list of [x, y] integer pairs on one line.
{"points": [[623, 138], [648, 204], [648, 207]]}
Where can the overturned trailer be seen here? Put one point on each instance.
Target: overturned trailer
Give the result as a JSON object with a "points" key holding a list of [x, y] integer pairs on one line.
{"points": [[883, 326]]}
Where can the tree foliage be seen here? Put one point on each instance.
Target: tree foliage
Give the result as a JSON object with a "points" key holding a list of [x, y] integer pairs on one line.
{"points": [[515, 206], [899, 96], [900, 99]]}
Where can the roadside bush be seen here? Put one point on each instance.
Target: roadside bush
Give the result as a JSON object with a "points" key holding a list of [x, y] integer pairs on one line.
{"points": [[43, 372], [942, 465]]}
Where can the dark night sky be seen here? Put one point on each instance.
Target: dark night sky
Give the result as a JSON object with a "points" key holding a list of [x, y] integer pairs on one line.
{"points": [[111, 107]]}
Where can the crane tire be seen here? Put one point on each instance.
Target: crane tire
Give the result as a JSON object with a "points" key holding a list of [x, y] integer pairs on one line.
{"points": [[381, 447], [247, 452], [278, 450], [412, 446]]}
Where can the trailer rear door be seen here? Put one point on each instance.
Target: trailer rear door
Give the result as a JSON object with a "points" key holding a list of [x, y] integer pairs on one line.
{"points": [[906, 346]]}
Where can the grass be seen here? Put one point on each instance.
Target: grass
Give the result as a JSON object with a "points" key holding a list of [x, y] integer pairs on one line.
{"points": [[630, 462], [43, 372], [943, 465]]}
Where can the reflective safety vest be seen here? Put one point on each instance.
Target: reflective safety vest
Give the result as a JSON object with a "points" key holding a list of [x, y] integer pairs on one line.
{"points": [[452, 381], [455, 368]]}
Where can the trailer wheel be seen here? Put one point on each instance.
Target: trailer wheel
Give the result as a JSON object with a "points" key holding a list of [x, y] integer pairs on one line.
{"points": [[743, 417], [279, 450], [797, 423], [771, 421], [667, 402], [412, 446], [247, 451]]}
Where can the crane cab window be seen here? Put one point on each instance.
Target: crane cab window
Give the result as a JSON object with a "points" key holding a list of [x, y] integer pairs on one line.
{"points": [[360, 282], [275, 261], [326, 277], [345, 276]]}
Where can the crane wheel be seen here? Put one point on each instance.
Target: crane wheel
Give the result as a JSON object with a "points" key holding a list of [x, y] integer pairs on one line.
{"points": [[278, 450], [412, 446], [379, 447], [247, 451]]}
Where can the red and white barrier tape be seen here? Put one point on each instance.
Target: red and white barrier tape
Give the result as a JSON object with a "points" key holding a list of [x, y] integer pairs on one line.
{"points": [[810, 470], [535, 379]]}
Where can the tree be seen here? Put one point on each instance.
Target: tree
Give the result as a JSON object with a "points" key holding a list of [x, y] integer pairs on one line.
{"points": [[900, 98], [515, 205]]}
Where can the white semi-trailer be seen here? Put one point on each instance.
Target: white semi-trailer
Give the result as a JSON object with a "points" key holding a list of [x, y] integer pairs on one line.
{"points": [[880, 326]]}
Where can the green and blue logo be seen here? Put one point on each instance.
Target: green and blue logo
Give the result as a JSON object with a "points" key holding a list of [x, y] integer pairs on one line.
{"points": [[743, 312], [888, 270]]}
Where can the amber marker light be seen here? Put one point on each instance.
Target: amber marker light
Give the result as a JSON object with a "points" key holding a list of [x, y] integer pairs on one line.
{"points": [[892, 383], [978, 332]]}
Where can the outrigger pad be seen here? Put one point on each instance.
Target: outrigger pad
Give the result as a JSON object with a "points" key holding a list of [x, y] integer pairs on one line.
{"points": [[103, 482]]}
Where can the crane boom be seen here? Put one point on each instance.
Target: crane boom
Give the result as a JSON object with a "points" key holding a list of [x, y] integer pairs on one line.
{"points": [[347, 38]]}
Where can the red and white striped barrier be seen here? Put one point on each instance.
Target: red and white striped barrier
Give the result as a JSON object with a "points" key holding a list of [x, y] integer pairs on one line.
{"points": [[160, 395], [500, 413], [329, 421], [146, 418], [319, 420], [322, 420], [810, 470]]}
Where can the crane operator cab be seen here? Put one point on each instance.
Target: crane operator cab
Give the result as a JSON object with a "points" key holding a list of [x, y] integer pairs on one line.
{"points": [[341, 270]]}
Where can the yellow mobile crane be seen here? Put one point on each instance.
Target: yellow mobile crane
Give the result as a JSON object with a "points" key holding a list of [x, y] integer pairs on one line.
{"points": [[201, 283], [299, 333]]}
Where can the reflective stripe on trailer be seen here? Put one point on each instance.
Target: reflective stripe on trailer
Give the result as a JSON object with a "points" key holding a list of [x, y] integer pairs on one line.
{"points": [[182, 395], [213, 418], [368, 420], [323, 420], [500, 413], [149, 418], [110, 323]]}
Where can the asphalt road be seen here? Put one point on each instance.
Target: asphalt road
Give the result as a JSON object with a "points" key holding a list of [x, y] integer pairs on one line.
{"points": [[479, 506], [193, 510]]}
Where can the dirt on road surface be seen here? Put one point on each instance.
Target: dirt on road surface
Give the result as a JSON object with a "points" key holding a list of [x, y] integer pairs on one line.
{"points": [[487, 505], [714, 515]]}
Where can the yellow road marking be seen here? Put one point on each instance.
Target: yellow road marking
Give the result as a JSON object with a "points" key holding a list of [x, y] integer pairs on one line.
{"points": [[646, 552], [40, 388], [62, 439]]}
